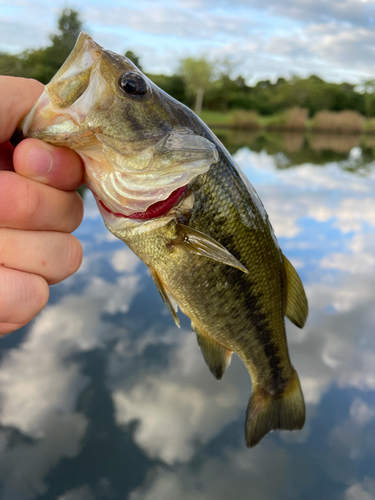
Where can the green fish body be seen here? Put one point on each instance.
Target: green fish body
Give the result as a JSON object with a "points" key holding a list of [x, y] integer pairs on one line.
{"points": [[169, 189]]}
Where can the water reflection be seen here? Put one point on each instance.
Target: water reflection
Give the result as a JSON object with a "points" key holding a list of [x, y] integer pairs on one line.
{"points": [[103, 397]]}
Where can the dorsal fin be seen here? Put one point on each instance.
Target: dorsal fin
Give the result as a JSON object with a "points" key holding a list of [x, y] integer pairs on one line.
{"points": [[199, 243], [297, 308], [217, 357], [167, 298]]}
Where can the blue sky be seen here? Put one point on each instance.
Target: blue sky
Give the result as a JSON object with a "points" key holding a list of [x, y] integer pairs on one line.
{"points": [[260, 38]]}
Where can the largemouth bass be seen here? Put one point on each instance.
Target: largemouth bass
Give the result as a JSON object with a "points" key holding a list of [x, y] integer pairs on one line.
{"points": [[168, 188]]}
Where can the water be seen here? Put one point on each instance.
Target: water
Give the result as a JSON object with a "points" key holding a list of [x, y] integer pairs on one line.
{"points": [[102, 397]]}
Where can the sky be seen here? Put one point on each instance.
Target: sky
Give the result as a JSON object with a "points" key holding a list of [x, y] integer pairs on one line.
{"points": [[261, 39]]}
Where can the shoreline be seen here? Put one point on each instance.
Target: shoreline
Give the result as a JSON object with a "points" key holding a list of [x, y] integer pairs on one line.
{"points": [[294, 120]]}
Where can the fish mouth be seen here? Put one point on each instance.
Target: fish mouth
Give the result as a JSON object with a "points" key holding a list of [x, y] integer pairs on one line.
{"points": [[157, 209]]}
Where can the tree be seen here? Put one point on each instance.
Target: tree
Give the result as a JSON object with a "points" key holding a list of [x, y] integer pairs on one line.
{"points": [[197, 74], [69, 27], [43, 63], [369, 97], [134, 58]]}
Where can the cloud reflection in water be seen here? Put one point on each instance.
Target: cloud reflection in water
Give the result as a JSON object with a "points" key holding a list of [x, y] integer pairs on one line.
{"points": [[188, 427]]}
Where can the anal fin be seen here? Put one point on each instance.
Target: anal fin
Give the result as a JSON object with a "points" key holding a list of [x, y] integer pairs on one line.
{"points": [[217, 357], [167, 298], [199, 243], [296, 307]]}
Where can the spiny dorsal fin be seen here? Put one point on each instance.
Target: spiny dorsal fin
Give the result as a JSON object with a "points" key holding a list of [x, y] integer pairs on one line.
{"points": [[217, 357], [167, 298], [201, 244], [296, 307]]}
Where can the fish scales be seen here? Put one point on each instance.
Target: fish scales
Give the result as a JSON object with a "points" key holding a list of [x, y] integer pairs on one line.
{"points": [[234, 308], [168, 188]]}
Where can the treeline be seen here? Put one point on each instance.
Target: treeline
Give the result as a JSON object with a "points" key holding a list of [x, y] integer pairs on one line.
{"points": [[267, 98], [197, 84]]}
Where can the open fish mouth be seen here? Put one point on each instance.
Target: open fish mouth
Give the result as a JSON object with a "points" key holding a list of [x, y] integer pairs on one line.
{"points": [[138, 157], [155, 210]]}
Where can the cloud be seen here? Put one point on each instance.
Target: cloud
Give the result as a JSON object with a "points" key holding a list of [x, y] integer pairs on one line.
{"points": [[361, 491], [174, 409], [359, 264], [351, 436], [172, 21], [41, 379], [82, 493], [235, 471], [263, 39], [10, 38], [309, 11], [310, 192], [329, 44], [24, 463], [124, 260]]}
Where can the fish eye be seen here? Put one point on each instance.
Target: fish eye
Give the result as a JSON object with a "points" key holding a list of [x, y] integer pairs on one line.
{"points": [[133, 84]]}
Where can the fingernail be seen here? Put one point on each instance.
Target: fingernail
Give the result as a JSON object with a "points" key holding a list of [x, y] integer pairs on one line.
{"points": [[40, 162]]}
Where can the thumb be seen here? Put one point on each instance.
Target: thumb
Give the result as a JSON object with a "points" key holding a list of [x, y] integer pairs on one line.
{"points": [[54, 166], [17, 97]]}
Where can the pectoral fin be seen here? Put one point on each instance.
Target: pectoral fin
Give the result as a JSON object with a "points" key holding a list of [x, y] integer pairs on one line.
{"points": [[217, 357], [201, 244], [296, 307], [167, 298]]}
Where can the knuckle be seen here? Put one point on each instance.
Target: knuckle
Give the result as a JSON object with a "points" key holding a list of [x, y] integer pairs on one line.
{"points": [[75, 254], [21, 200], [40, 293], [4, 244], [22, 296], [29, 203], [70, 258], [78, 210]]}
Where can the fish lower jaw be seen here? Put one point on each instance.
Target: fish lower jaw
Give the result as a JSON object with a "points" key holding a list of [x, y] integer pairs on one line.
{"points": [[157, 209]]}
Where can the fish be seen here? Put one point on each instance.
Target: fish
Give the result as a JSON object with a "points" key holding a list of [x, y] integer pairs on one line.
{"points": [[167, 187]]}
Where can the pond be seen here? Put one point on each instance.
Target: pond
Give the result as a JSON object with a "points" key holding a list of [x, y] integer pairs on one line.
{"points": [[103, 397]]}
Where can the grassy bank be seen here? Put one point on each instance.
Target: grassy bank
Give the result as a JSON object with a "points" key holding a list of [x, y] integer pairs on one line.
{"points": [[294, 119]]}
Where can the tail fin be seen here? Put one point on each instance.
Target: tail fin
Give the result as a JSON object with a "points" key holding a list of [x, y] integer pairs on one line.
{"points": [[266, 412]]}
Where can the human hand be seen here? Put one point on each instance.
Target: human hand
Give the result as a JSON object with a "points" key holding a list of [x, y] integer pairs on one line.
{"points": [[38, 210]]}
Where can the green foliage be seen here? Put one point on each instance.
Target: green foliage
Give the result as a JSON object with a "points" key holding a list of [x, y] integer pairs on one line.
{"points": [[267, 98], [369, 97], [42, 64], [134, 58], [197, 74], [173, 85]]}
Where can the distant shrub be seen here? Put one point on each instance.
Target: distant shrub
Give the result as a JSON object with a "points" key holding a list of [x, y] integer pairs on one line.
{"points": [[291, 119], [295, 118], [340, 122], [241, 118]]}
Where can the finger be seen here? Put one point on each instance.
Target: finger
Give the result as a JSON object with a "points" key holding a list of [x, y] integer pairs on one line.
{"points": [[52, 255], [58, 167], [12, 107], [10, 327], [22, 296], [27, 204]]}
